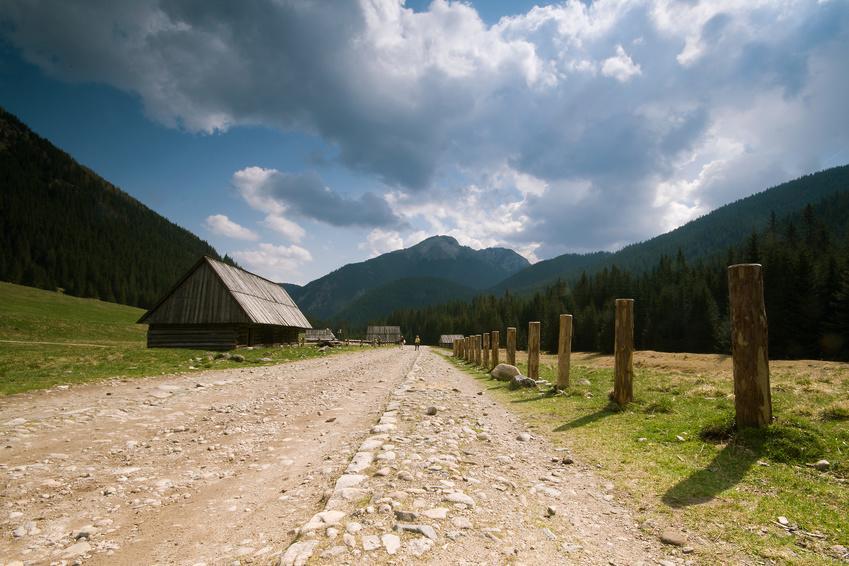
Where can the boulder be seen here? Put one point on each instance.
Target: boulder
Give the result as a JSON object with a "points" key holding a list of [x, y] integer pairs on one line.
{"points": [[519, 381], [504, 372]]}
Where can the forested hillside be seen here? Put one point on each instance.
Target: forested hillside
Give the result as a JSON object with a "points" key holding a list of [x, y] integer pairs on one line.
{"points": [[418, 291], [683, 306], [704, 237], [438, 257], [63, 226]]}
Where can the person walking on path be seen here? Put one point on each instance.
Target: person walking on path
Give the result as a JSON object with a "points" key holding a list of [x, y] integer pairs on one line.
{"points": [[418, 341]]}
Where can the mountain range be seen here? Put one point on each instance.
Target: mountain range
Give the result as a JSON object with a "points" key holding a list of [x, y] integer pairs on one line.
{"points": [[439, 261], [61, 225]]}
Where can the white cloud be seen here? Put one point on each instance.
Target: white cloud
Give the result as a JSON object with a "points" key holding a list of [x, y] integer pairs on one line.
{"points": [[223, 226], [287, 228], [380, 241], [621, 67], [278, 263], [508, 134]]}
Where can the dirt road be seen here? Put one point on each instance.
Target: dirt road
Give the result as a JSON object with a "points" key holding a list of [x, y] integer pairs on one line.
{"points": [[384, 456], [184, 469]]}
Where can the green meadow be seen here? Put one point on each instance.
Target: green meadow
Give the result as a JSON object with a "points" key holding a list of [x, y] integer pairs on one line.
{"points": [[675, 456], [48, 338]]}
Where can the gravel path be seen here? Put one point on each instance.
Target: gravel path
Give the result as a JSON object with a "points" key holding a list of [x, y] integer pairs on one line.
{"points": [[449, 476], [212, 467], [382, 456]]}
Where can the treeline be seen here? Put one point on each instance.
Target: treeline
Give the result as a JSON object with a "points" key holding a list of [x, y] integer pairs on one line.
{"points": [[64, 227], [683, 306]]}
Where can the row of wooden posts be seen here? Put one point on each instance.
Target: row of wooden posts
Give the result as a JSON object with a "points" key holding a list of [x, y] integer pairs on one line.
{"points": [[753, 402]]}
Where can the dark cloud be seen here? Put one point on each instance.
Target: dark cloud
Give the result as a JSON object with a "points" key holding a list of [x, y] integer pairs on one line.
{"points": [[305, 195], [714, 104]]}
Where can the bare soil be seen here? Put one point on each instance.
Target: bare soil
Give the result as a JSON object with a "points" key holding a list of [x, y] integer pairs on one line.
{"points": [[184, 469], [232, 465]]}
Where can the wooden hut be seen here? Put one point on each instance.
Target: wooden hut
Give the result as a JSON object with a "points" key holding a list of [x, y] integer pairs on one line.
{"points": [[447, 340], [386, 334], [319, 335], [216, 306]]}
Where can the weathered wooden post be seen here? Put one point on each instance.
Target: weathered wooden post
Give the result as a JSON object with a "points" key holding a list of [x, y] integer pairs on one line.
{"points": [[564, 351], [494, 344], [486, 349], [752, 397], [468, 347], [511, 345], [456, 348], [623, 363], [478, 349], [533, 350]]}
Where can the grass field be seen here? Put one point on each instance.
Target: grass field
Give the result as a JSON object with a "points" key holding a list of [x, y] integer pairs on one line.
{"points": [[48, 338], [670, 453]]}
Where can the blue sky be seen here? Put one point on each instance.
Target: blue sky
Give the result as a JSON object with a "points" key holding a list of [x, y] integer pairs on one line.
{"points": [[301, 136]]}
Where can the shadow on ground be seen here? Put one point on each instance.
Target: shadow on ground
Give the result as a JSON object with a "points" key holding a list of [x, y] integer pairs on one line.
{"points": [[607, 411], [725, 471]]}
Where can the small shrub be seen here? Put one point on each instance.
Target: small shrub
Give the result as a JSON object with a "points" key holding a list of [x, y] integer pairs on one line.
{"points": [[835, 413], [662, 405], [720, 429]]}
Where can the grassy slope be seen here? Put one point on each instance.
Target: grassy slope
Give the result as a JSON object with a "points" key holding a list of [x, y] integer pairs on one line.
{"points": [[116, 344], [728, 493]]}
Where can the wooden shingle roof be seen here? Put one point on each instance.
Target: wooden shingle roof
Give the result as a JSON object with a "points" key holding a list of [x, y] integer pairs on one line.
{"points": [[260, 301]]}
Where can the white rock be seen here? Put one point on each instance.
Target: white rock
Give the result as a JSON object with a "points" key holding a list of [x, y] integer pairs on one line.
{"points": [[75, 550], [437, 513], [349, 480], [370, 542], [461, 523], [299, 553], [419, 546], [353, 527], [391, 543], [460, 497]]}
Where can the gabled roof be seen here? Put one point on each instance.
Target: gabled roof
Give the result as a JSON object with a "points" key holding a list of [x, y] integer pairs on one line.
{"points": [[261, 300]]}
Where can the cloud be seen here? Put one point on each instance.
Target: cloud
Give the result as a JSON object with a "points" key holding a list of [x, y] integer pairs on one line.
{"points": [[621, 67], [278, 263], [284, 227], [660, 109], [305, 195], [223, 226], [382, 241]]}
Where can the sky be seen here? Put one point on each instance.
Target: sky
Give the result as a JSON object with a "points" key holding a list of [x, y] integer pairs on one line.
{"points": [[298, 136]]}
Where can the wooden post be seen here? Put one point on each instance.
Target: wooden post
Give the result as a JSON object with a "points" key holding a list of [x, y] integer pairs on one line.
{"points": [[511, 345], [752, 397], [478, 352], [533, 350], [623, 364], [486, 350], [467, 348], [494, 344], [456, 348], [564, 351]]}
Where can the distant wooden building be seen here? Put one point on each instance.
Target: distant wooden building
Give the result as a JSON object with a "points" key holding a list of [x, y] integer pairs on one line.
{"points": [[386, 334], [216, 306], [319, 335], [447, 340]]}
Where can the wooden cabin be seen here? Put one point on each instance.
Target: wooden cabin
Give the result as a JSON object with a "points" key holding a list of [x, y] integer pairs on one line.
{"points": [[447, 340], [386, 334], [319, 335], [216, 306]]}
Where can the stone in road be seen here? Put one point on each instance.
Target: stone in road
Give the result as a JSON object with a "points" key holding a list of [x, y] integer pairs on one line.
{"points": [[212, 467], [457, 486]]}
